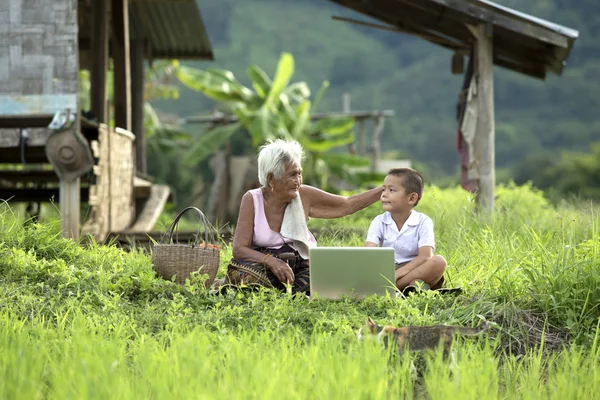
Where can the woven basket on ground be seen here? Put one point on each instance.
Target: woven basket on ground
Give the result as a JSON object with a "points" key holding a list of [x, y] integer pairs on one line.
{"points": [[181, 260]]}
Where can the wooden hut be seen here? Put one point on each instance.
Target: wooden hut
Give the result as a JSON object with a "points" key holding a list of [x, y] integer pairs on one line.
{"points": [[61, 152], [489, 34]]}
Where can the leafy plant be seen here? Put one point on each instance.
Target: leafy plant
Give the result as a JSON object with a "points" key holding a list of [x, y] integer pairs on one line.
{"points": [[274, 108]]}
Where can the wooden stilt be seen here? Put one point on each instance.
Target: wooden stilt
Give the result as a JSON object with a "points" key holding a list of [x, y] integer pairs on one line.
{"points": [[137, 102], [122, 67], [376, 144], [346, 109], [69, 198], [484, 150], [99, 57]]}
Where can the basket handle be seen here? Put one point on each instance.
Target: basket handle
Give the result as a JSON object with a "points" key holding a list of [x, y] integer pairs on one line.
{"points": [[175, 226]]}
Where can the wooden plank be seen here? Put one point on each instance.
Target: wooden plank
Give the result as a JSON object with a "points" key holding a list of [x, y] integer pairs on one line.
{"points": [[152, 209], [376, 143], [13, 155], [483, 143], [122, 67], [36, 104], [37, 195], [31, 176], [99, 56], [484, 14], [141, 188], [70, 202], [137, 102]]}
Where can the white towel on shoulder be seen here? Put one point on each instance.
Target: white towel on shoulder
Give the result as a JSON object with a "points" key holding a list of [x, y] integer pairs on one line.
{"points": [[294, 227]]}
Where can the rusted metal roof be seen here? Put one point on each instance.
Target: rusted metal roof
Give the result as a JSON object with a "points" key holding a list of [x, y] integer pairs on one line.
{"points": [[523, 43], [174, 28]]}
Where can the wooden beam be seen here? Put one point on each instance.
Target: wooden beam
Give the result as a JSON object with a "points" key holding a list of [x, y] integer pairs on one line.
{"points": [[22, 195], [409, 31], [483, 13], [483, 143], [122, 67], [99, 57], [228, 119], [137, 102]]}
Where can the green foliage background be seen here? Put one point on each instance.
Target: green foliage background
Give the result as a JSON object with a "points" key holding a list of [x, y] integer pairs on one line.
{"points": [[385, 70]]}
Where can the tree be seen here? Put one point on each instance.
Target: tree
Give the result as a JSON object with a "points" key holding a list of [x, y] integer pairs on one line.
{"points": [[274, 108]]}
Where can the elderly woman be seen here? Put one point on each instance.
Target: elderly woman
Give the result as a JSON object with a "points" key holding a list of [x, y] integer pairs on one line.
{"points": [[272, 241]]}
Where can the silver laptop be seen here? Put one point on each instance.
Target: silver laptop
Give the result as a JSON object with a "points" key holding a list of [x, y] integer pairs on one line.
{"points": [[351, 271]]}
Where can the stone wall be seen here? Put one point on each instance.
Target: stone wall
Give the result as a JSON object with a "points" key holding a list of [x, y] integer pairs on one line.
{"points": [[38, 56]]}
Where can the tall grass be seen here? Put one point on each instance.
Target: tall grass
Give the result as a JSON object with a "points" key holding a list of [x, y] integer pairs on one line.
{"points": [[94, 322]]}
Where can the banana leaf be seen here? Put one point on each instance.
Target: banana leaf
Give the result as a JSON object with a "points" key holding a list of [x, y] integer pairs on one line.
{"points": [[333, 125], [260, 81], [285, 70], [345, 159], [210, 141], [215, 85], [323, 145]]}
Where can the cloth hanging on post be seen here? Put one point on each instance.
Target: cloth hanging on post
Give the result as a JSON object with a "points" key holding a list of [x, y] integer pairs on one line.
{"points": [[467, 128]]}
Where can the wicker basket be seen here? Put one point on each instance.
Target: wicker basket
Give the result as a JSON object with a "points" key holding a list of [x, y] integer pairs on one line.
{"points": [[181, 260]]}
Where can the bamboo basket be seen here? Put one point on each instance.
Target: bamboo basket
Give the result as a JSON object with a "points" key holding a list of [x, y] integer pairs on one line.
{"points": [[182, 260]]}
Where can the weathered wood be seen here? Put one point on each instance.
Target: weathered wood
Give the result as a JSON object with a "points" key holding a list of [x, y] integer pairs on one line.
{"points": [[99, 57], [229, 119], [122, 172], [483, 150], [346, 107], [218, 164], [443, 22], [141, 188], [31, 176], [137, 102], [152, 209], [362, 144], [69, 208], [376, 143], [445, 42], [111, 198], [121, 61], [42, 195], [11, 137]]}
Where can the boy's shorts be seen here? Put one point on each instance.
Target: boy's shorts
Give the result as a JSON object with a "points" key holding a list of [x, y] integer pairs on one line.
{"points": [[437, 286], [398, 266]]}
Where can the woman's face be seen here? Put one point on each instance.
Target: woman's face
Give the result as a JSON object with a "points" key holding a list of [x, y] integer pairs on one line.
{"points": [[289, 183]]}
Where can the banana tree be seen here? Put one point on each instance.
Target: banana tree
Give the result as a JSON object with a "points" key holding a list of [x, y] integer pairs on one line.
{"points": [[274, 108]]}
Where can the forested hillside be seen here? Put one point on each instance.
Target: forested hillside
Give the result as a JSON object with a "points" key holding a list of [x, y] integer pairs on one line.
{"points": [[387, 70]]}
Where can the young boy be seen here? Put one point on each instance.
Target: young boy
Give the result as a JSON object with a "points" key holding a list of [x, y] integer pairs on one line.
{"points": [[409, 232]]}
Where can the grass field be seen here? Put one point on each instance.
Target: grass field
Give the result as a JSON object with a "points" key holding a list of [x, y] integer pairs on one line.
{"points": [[94, 322]]}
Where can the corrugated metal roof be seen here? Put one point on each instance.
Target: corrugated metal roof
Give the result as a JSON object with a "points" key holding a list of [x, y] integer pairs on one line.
{"points": [[522, 42], [174, 28]]}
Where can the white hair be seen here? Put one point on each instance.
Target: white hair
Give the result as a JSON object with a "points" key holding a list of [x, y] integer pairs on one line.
{"points": [[274, 155]]}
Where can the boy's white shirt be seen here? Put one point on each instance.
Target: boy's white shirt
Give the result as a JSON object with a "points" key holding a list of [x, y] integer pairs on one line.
{"points": [[416, 232]]}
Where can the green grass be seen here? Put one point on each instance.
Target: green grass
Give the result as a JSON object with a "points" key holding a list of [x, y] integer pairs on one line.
{"points": [[94, 322]]}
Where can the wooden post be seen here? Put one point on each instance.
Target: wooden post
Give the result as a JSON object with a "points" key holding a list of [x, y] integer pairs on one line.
{"points": [[483, 148], [346, 109], [122, 68], [69, 197], [375, 143], [99, 59], [362, 147], [137, 102]]}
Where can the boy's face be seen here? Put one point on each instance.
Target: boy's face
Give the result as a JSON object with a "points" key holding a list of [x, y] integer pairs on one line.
{"points": [[394, 196]]}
